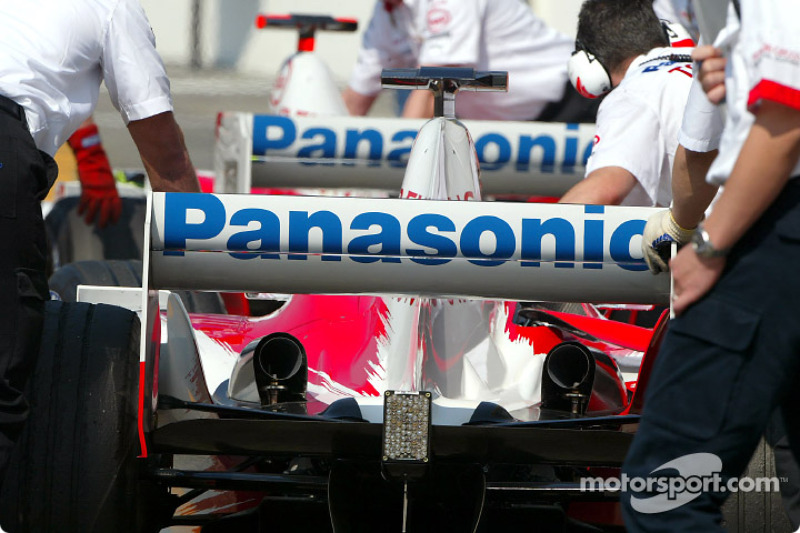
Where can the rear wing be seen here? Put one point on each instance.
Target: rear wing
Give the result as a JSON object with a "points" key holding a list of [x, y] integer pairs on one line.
{"points": [[272, 151], [444, 249], [306, 26]]}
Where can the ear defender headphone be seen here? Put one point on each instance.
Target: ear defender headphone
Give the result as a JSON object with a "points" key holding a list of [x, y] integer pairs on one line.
{"points": [[591, 78]]}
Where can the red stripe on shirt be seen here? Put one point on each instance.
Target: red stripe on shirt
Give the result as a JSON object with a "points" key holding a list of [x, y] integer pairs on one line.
{"points": [[774, 92]]}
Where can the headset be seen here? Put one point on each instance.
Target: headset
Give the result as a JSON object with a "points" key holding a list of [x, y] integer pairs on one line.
{"points": [[592, 79], [587, 74]]}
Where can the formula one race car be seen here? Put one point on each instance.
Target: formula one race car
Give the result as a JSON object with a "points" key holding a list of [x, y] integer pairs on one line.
{"points": [[403, 377], [412, 377]]}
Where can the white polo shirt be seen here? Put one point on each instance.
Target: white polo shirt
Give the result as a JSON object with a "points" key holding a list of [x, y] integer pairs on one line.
{"points": [[500, 35], [763, 64], [638, 123], [57, 52]]}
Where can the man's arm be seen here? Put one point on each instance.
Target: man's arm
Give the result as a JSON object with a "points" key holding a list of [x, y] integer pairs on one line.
{"points": [[691, 194], [751, 188], [161, 146], [605, 186], [419, 104], [358, 104]]}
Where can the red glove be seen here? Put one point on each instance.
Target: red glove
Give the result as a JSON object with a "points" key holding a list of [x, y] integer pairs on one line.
{"points": [[99, 198]]}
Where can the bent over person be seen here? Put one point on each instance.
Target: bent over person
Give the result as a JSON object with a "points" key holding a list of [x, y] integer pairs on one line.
{"points": [[55, 55], [646, 83]]}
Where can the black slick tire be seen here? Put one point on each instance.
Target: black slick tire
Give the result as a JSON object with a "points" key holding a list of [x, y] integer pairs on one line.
{"points": [[75, 469], [757, 511]]}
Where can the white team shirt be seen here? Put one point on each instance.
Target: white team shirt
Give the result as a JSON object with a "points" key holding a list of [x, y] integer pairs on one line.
{"points": [[763, 64], [57, 52], [702, 124], [500, 35], [638, 123]]}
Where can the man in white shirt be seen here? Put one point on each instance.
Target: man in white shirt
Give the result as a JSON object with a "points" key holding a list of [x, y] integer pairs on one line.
{"points": [[55, 55], [731, 355], [638, 121], [501, 35]]}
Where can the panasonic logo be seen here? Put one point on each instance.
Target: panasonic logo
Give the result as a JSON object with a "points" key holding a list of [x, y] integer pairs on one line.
{"points": [[496, 150], [204, 222]]}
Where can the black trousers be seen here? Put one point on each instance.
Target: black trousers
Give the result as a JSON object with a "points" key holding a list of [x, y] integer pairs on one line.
{"points": [[725, 365], [25, 177]]}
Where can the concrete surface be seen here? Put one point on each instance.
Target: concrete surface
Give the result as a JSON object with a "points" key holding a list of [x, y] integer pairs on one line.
{"points": [[198, 95]]}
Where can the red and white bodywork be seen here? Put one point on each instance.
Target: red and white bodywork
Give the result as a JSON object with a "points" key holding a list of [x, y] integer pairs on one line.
{"points": [[433, 335], [305, 87]]}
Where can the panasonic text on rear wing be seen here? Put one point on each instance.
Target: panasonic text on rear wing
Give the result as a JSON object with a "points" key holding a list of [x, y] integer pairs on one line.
{"points": [[525, 158], [497, 250]]}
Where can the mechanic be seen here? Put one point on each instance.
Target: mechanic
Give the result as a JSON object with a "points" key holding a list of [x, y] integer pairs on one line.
{"points": [[638, 121], [502, 35], [55, 55], [692, 197], [100, 202], [733, 286]]}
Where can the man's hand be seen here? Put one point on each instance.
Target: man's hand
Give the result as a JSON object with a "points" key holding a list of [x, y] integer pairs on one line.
{"points": [[100, 202], [660, 232], [693, 276], [711, 72]]}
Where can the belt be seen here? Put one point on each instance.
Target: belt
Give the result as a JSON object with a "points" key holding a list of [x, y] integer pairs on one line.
{"points": [[10, 107]]}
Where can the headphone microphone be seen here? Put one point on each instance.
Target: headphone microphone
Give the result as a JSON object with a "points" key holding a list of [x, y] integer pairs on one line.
{"points": [[587, 74]]}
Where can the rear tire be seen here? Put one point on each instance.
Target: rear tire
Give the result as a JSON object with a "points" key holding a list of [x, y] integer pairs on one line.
{"points": [[66, 279], [75, 468], [757, 512]]}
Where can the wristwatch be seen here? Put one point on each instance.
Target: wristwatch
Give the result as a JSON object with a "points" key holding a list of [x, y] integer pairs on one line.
{"points": [[702, 244]]}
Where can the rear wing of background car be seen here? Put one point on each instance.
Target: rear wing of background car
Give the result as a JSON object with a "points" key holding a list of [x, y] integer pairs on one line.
{"points": [[517, 158], [323, 245]]}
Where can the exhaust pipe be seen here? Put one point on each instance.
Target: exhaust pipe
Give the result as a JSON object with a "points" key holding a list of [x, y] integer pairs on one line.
{"points": [[568, 376], [576, 378], [569, 365], [281, 369]]}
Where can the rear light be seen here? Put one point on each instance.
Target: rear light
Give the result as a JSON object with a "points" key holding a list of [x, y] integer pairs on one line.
{"points": [[406, 432]]}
